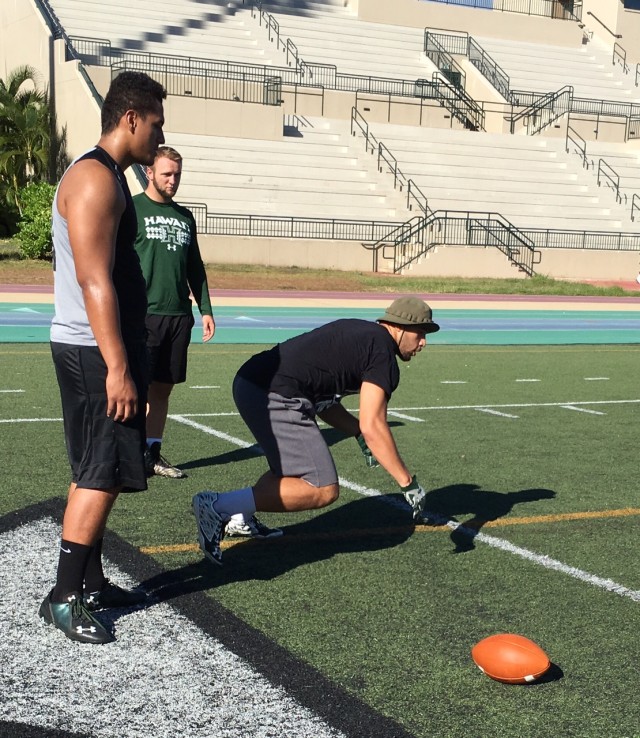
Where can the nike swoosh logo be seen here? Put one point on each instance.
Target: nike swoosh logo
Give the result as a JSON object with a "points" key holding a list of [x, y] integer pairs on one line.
{"points": [[66, 550]]}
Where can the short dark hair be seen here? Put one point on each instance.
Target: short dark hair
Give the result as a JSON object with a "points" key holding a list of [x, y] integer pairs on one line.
{"points": [[130, 91]]}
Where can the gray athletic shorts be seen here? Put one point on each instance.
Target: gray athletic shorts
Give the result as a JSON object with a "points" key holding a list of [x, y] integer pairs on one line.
{"points": [[286, 430]]}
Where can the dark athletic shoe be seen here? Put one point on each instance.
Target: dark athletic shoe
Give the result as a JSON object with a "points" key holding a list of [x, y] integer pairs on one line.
{"points": [[157, 465], [210, 525], [111, 595], [74, 620]]}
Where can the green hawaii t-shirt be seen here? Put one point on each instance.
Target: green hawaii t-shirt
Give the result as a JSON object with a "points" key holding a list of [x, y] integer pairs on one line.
{"points": [[167, 245]]}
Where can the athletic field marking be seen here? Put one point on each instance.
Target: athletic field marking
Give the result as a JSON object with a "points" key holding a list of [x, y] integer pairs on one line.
{"points": [[596, 379], [405, 417], [10, 391], [399, 529], [528, 380], [542, 560], [31, 420], [495, 412], [583, 410], [520, 404], [453, 381], [205, 386]]}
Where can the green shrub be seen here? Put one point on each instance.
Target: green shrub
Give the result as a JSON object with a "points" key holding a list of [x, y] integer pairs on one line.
{"points": [[34, 229]]}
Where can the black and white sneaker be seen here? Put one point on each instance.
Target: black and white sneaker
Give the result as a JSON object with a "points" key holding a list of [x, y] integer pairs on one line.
{"points": [[74, 620], [251, 528], [210, 525], [157, 465]]}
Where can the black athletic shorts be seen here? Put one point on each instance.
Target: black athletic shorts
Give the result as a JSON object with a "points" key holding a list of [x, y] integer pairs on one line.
{"points": [[168, 339], [103, 453]]}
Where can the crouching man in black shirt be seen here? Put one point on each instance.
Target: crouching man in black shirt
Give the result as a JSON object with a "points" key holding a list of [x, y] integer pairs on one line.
{"points": [[280, 392]]}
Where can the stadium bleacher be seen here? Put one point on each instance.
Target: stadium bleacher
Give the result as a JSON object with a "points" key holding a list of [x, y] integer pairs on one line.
{"points": [[317, 169]]}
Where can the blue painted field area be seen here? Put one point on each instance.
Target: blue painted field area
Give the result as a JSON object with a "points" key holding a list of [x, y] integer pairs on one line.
{"points": [[29, 323]]}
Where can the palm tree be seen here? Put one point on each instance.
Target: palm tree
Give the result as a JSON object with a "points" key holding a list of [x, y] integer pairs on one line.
{"points": [[27, 133]]}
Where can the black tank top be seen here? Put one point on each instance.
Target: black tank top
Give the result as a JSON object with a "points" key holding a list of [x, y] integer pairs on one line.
{"points": [[128, 280]]}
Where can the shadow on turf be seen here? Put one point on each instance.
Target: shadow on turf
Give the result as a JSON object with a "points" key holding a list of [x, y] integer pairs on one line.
{"points": [[361, 525], [331, 437], [484, 505]]}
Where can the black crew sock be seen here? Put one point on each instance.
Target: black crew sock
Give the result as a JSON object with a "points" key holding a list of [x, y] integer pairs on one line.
{"points": [[71, 567], [94, 578]]}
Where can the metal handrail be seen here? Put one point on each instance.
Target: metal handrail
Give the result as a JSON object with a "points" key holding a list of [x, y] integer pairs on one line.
{"points": [[637, 73], [612, 176], [359, 120], [474, 229], [595, 17], [576, 138], [635, 205], [547, 102], [399, 180], [415, 194], [619, 53]]}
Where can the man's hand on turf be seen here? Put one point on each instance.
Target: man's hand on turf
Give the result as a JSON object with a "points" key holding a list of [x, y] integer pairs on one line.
{"points": [[415, 495]]}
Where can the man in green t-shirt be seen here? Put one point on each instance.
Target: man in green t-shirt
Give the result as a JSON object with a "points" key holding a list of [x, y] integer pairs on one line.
{"points": [[167, 245]]}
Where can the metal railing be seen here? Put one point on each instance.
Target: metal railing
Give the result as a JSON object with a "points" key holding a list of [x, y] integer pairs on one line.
{"points": [[448, 66], [544, 111], [411, 241], [620, 57], [282, 226], [231, 85], [579, 143], [608, 174], [568, 10], [635, 205]]}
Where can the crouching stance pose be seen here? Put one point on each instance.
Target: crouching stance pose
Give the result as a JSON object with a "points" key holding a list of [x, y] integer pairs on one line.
{"points": [[280, 392]]}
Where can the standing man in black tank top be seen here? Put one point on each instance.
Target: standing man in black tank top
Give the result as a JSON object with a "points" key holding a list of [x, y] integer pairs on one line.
{"points": [[98, 347]]}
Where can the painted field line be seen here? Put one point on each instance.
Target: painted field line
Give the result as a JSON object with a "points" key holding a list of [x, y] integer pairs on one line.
{"points": [[520, 404], [583, 410], [31, 420], [395, 530], [205, 386], [405, 417], [453, 381], [541, 560], [596, 379], [528, 380], [6, 392], [495, 412]]}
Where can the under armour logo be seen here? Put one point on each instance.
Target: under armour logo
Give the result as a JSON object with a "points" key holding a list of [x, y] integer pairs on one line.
{"points": [[171, 247], [80, 629]]}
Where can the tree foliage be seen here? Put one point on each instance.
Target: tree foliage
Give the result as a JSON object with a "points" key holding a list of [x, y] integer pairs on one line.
{"points": [[31, 149], [34, 229]]}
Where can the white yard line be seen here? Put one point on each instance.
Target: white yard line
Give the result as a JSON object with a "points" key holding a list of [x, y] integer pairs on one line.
{"points": [[495, 412], [540, 559], [405, 417], [582, 410], [7, 392]]}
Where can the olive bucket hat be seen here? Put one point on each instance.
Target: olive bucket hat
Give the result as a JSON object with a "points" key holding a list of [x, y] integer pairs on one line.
{"points": [[410, 312]]}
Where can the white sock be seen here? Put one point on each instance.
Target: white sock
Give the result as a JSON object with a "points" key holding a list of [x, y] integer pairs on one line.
{"points": [[238, 502]]}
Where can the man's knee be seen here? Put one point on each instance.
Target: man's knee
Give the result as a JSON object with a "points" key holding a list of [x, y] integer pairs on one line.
{"points": [[326, 495]]}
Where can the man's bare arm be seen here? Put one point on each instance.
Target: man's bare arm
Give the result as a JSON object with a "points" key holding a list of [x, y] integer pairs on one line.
{"points": [[377, 434]]}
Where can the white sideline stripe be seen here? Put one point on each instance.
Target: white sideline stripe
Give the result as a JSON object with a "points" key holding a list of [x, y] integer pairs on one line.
{"points": [[520, 404], [10, 391], [528, 380], [179, 680], [453, 381], [31, 420], [542, 560], [582, 410], [405, 417], [596, 379], [205, 386], [495, 412]]}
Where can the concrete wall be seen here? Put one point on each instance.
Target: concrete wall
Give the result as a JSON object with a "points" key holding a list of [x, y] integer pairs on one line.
{"points": [[474, 21], [286, 252], [451, 261]]}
